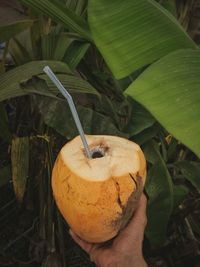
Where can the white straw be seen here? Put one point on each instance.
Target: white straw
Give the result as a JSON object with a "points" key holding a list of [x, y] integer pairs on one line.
{"points": [[70, 101]]}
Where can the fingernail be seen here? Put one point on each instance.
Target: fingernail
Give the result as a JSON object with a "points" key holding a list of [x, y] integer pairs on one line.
{"points": [[71, 232]]}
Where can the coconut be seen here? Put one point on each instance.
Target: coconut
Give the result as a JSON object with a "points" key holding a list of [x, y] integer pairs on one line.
{"points": [[98, 196]]}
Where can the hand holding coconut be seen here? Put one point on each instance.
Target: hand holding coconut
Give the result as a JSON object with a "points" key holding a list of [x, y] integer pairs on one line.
{"points": [[126, 248], [98, 196]]}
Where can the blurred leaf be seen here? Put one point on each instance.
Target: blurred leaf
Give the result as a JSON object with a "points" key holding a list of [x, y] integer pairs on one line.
{"points": [[170, 5], [20, 165], [159, 188], [12, 19], [56, 114], [180, 192], [74, 84], [140, 119], [78, 6], [194, 222], [4, 57], [48, 43], [169, 89], [5, 175], [172, 149], [109, 108], [8, 31], [146, 135], [63, 42], [151, 151], [11, 11], [18, 52], [75, 53], [11, 80], [60, 13], [5, 133], [102, 124], [191, 172], [128, 34]]}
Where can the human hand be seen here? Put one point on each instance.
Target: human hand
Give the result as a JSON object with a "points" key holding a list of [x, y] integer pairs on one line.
{"points": [[126, 248]]}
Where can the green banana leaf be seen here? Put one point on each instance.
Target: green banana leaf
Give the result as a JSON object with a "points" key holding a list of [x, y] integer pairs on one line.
{"points": [[131, 34], [18, 82], [170, 5], [10, 81], [169, 89]]}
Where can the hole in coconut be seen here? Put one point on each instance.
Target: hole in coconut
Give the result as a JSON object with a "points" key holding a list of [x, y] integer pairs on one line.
{"points": [[97, 153]]}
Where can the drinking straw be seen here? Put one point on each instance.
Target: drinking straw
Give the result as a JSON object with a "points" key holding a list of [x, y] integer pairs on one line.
{"points": [[70, 101]]}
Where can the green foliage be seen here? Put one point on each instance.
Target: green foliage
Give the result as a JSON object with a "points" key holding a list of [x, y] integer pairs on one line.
{"points": [[180, 193], [11, 81], [191, 171], [60, 13], [159, 188], [9, 30], [141, 42], [169, 89], [131, 34], [56, 114]]}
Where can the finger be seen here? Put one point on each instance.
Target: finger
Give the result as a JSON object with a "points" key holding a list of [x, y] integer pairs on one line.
{"points": [[92, 249], [83, 244], [135, 229], [139, 218]]}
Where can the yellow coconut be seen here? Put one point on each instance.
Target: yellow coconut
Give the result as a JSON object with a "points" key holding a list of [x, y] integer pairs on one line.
{"points": [[98, 196]]}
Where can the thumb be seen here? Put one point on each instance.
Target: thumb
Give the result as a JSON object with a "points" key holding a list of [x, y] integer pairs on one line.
{"points": [[139, 219], [133, 233]]}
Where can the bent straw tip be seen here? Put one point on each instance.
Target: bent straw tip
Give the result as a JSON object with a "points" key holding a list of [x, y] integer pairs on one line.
{"points": [[46, 69]]}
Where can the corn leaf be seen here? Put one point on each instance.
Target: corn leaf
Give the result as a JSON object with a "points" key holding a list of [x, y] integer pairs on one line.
{"points": [[131, 34], [169, 89]]}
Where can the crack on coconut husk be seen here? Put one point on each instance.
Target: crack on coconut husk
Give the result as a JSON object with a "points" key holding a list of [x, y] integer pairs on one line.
{"points": [[118, 197], [134, 180], [129, 208]]}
